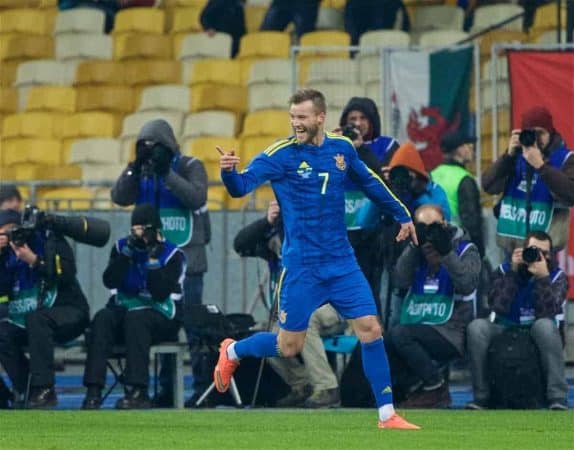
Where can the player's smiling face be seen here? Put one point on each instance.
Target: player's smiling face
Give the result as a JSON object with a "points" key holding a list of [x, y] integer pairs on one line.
{"points": [[306, 122]]}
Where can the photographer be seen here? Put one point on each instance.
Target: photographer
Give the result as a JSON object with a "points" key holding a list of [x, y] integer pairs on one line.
{"points": [[10, 197], [536, 179], [528, 291], [177, 186], [145, 275], [442, 275], [46, 304]]}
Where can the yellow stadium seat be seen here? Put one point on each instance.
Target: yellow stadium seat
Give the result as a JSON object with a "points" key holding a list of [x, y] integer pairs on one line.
{"points": [[213, 171], [263, 195], [198, 3], [8, 100], [100, 72], [142, 46], [186, 20], [148, 72], [26, 21], [27, 171], [266, 44], [221, 71], [216, 198], [33, 125], [503, 122], [545, 18], [337, 4], [236, 204], [35, 151], [251, 146], [204, 147], [74, 198], [254, 15], [209, 96], [8, 71], [13, 47], [119, 99], [91, 124], [319, 39], [266, 122], [139, 20], [500, 37], [51, 98]]}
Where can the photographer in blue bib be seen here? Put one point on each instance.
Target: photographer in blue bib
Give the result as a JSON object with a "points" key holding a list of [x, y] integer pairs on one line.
{"points": [[536, 179], [528, 292], [441, 276], [46, 305], [145, 277], [177, 186]]}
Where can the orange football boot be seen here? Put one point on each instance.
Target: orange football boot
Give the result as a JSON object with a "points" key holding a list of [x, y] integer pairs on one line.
{"points": [[398, 423], [224, 368]]}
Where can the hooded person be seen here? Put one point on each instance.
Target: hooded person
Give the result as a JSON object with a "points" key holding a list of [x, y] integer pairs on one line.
{"points": [[177, 186], [536, 179]]}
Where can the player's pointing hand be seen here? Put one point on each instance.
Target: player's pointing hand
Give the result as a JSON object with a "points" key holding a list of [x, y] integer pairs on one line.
{"points": [[407, 230], [227, 161]]}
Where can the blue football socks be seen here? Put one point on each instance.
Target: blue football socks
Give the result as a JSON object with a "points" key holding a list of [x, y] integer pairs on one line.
{"points": [[376, 367], [259, 345]]}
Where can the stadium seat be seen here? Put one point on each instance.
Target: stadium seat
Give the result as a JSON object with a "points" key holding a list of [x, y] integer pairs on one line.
{"points": [[100, 172], [549, 37], [26, 21], [216, 198], [69, 198], [487, 40], [186, 20], [333, 70], [254, 15], [330, 19], [8, 72], [34, 151], [204, 147], [338, 94], [326, 39], [236, 204], [251, 146], [268, 96], [546, 18], [17, 46], [51, 72], [90, 124], [209, 123], [438, 17], [485, 16], [263, 195], [84, 46], [220, 71], [373, 90], [268, 122], [333, 117], [441, 38], [265, 44], [142, 46], [51, 98], [271, 71], [139, 20], [201, 45], [100, 72], [114, 99], [33, 125], [149, 72], [8, 101], [503, 119], [95, 150], [134, 122], [169, 97], [207, 97], [381, 39], [79, 20], [35, 172]]}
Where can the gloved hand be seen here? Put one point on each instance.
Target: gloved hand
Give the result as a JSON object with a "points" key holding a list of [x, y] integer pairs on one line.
{"points": [[161, 160], [133, 243]]}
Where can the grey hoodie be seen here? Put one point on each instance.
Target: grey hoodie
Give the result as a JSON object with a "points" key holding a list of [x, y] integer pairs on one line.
{"points": [[188, 183]]}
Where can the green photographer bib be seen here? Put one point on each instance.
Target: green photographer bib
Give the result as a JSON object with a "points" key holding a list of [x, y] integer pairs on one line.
{"points": [[360, 212], [512, 220], [167, 307], [177, 225], [426, 309], [26, 301]]}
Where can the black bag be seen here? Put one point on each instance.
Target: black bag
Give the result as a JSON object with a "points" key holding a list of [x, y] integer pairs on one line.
{"points": [[515, 374]]}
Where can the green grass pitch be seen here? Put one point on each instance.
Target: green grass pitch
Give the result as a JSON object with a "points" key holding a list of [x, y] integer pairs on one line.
{"points": [[281, 429]]}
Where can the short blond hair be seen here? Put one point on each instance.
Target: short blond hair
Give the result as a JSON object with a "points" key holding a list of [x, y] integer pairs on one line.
{"points": [[316, 97]]}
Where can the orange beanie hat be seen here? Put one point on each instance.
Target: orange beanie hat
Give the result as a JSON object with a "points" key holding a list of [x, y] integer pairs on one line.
{"points": [[408, 156]]}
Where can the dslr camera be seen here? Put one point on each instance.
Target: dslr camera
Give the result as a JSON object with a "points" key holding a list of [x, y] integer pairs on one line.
{"points": [[435, 234], [527, 138], [85, 230], [350, 131], [531, 254]]}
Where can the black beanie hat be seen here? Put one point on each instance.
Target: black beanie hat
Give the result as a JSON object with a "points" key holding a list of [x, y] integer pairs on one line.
{"points": [[9, 216], [146, 214]]}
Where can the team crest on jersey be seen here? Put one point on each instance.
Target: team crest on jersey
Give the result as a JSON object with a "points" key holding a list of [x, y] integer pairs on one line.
{"points": [[340, 161], [282, 316], [304, 170]]}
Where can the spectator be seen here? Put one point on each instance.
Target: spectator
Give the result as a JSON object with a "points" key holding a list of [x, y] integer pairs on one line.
{"points": [[529, 294], [10, 197], [460, 186], [536, 179], [442, 275], [303, 14], [177, 186], [313, 383], [145, 275], [368, 15], [46, 306], [225, 16]]}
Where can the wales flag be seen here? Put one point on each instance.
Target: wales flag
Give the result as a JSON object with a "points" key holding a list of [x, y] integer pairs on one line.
{"points": [[430, 92]]}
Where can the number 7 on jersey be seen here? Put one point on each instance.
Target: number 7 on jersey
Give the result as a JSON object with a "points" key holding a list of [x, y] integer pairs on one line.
{"points": [[325, 176]]}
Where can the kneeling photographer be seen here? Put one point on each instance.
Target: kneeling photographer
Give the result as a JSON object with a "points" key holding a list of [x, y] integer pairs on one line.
{"points": [[441, 276], [536, 179], [145, 276], [46, 304], [527, 294]]}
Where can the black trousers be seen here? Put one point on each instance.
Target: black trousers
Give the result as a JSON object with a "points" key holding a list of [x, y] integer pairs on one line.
{"points": [[138, 330], [413, 352], [44, 329], [303, 13]]}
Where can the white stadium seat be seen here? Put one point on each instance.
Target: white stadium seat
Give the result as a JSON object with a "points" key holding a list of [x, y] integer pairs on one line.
{"points": [[200, 45], [334, 70], [84, 46], [80, 20], [95, 150], [169, 97], [209, 123], [268, 96]]}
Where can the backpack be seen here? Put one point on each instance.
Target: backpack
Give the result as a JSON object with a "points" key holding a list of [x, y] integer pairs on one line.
{"points": [[515, 374]]}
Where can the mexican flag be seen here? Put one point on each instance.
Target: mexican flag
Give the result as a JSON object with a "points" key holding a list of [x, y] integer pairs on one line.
{"points": [[430, 92]]}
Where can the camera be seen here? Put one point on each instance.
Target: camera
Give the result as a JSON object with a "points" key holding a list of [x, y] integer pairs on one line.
{"points": [[350, 131], [531, 254], [528, 137], [85, 230], [436, 234]]}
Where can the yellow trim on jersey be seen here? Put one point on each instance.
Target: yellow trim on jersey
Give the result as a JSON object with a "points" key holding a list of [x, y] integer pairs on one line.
{"points": [[338, 136], [275, 147], [279, 286], [388, 190]]}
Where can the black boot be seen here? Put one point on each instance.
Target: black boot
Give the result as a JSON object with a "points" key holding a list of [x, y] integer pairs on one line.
{"points": [[6, 396], [42, 397], [93, 399], [137, 398]]}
